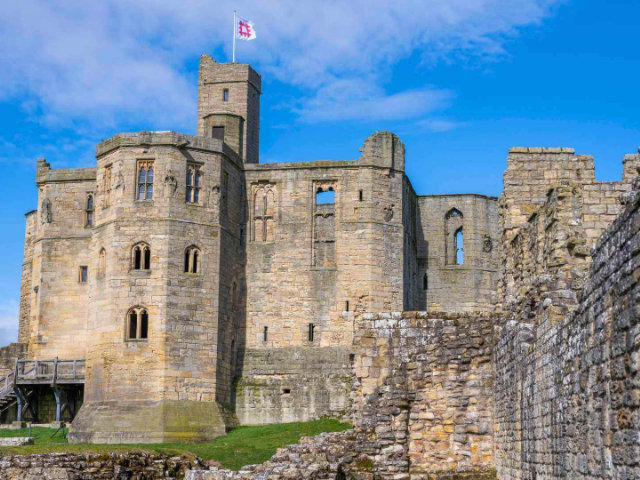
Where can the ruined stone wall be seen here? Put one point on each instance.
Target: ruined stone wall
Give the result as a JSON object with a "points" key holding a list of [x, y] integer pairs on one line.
{"points": [[565, 383], [470, 286], [309, 265], [423, 398], [54, 466], [8, 356]]}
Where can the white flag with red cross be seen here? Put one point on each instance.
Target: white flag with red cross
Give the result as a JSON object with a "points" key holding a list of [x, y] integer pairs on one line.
{"points": [[245, 30]]}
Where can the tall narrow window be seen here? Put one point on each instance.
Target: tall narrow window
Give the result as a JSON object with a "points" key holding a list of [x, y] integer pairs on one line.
{"points": [[425, 282], [194, 175], [102, 262], [264, 199], [360, 195], [265, 334], [453, 247], [225, 95], [141, 257], [324, 236], [107, 186], [192, 259], [311, 332], [145, 180], [83, 274], [89, 211], [137, 327], [217, 133], [459, 247]]}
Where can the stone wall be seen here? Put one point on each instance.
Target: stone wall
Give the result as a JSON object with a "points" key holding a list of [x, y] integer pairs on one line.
{"points": [[70, 466], [566, 389], [450, 287], [423, 399], [8, 356], [293, 384]]}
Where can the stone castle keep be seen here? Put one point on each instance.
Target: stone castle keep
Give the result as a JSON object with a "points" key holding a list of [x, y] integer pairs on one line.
{"points": [[181, 288]]}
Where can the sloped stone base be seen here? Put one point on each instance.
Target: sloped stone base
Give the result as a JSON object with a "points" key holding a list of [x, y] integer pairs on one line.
{"points": [[147, 422]]}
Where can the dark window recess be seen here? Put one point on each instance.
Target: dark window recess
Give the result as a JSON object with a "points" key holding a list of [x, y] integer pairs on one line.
{"points": [[425, 282], [265, 334], [225, 95], [286, 391], [346, 306], [217, 133], [147, 258], [144, 324], [312, 331], [133, 325], [361, 196], [84, 274]]}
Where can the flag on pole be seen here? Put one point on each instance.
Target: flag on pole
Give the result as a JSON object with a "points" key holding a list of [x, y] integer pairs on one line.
{"points": [[245, 30]]}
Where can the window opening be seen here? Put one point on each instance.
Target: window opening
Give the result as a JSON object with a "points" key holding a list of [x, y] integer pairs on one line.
{"points": [[217, 133], [225, 95], [141, 257], [192, 260], [459, 247], [265, 334], [89, 211], [145, 180], [138, 324], [327, 197], [193, 184], [312, 329], [84, 274]]}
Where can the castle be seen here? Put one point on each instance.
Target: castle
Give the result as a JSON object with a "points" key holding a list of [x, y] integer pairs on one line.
{"points": [[203, 290]]}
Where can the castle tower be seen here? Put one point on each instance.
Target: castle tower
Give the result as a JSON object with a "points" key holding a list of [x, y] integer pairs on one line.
{"points": [[229, 106]]}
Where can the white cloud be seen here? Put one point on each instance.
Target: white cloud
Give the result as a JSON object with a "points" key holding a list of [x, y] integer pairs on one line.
{"points": [[8, 323], [115, 62]]}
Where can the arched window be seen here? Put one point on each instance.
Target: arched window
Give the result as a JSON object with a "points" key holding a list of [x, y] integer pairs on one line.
{"points": [[137, 327], [194, 176], [192, 259], [145, 180], [264, 203], [454, 245], [89, 211], [141, 257], [102, 262]]}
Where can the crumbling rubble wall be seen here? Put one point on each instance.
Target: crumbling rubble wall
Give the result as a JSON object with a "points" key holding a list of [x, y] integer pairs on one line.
{"points": [[567, 352]]}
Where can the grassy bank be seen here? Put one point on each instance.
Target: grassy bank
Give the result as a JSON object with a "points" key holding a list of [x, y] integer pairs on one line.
{"points": [[242, 446]]}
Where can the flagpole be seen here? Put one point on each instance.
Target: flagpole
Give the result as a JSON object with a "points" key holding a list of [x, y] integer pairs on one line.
{"points": [[234, 36]]}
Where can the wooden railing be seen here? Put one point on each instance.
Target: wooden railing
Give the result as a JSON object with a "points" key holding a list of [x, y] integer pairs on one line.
{"points": [[50, 371], [6, 384]]}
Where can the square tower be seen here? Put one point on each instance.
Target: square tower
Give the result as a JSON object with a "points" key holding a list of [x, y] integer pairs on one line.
{"points": [[229, 106]]}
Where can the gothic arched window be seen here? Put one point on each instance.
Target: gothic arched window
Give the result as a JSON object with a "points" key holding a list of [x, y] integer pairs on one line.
{"points": [[264, 204], [141, 256], [192, 259], [137, 324], [454, 241]]}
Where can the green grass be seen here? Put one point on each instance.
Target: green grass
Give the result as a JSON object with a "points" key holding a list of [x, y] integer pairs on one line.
{"points": [[242, 446]]}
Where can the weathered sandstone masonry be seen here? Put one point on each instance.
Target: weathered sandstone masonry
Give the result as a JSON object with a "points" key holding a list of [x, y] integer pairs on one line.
{"points": [[566, 375]]}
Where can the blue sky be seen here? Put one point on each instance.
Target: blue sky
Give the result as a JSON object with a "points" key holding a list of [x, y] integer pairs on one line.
{"points": [[460, 81]]}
